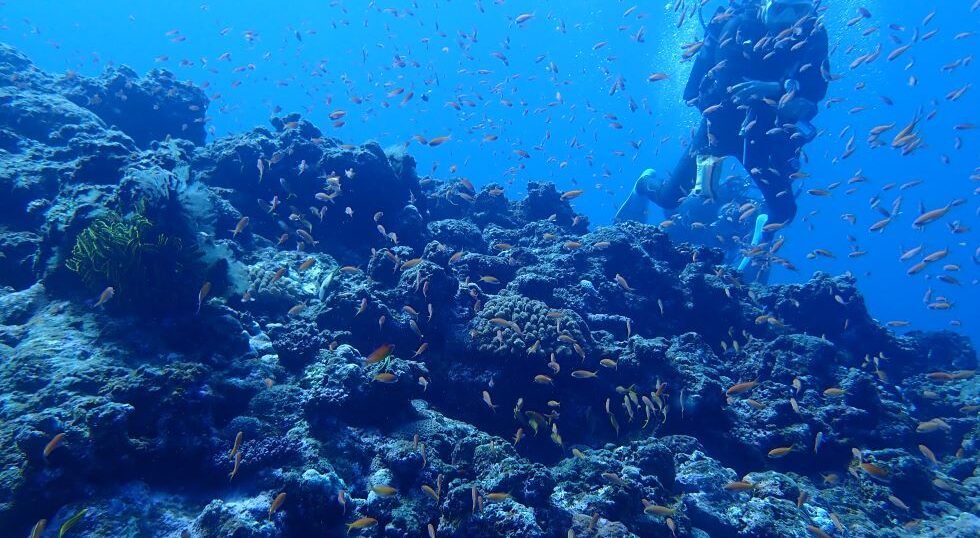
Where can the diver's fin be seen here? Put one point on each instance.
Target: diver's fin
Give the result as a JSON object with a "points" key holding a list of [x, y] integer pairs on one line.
{"points": [[760, 223], [637, 205]]}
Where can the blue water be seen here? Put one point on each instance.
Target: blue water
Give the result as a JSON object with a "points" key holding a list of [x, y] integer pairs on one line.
{"points": [[552, 100]]}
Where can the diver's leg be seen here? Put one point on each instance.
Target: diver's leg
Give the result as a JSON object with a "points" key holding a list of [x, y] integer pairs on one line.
{"points": [[781, 210], [706, 179], [780, 200], [755, 160], [725, 140], [757, 232], [665, 191], [776, 187], [678, 184], [637, 204], [774, 164]]}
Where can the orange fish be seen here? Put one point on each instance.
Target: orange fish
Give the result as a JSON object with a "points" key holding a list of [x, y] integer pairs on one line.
{"points": [[411, 263], [438, 141], [817, 531], [234, 470], [237, 445], [384, 490], [385, 377], [202, 294], [242, 223], [741, 387], [523, 17], [488, 401], [53, 444], [379, 354], [780, 452], [622, 282], [106, 295], [874, 470], [930, 216], [739, 486], [276, 504], [362, 523]]}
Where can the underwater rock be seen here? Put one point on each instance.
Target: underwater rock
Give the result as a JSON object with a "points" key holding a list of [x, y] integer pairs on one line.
{"points": [[296, 342], [295, 163], [148, 108], [457, 235], [70, 157], [338, 384], [17, 250], [240, 518], [126, 510], [544, 202], [827, 306], [688, 362], [51, 142]]}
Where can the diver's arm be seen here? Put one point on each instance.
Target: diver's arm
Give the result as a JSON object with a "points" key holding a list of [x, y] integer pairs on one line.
{"points": [[808, 85], [812, 74], [702, 64], [798, 109], [706, 57]]}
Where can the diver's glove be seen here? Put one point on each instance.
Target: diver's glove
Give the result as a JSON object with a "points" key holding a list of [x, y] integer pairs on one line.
{"points": [[636, 206], [755, 272]]}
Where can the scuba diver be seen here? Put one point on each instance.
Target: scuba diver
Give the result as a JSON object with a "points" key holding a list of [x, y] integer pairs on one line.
{"points": [[757, 78]]}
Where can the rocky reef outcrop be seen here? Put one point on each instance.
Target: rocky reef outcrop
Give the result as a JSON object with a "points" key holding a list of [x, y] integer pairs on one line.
{"points": [[305, 338]]}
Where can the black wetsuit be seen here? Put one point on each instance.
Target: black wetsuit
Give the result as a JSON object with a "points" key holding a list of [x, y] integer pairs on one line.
{"points": [[771, 156]]}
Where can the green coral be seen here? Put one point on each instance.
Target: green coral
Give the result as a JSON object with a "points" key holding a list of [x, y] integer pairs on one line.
{"points": [[136, 258]]}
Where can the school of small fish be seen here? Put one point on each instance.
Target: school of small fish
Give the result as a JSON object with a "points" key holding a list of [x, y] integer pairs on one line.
{"points": [[487, 82], [404, 80]]}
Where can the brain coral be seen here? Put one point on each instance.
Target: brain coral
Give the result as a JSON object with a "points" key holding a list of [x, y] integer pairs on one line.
{"points": [[511, 325]]}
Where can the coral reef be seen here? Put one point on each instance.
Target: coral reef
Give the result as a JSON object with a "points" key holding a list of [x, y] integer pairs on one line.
{"points": [[430, 356]]}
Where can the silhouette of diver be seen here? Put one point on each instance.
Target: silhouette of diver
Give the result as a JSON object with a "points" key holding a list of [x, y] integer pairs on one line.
{"points": [[757, 80]]}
